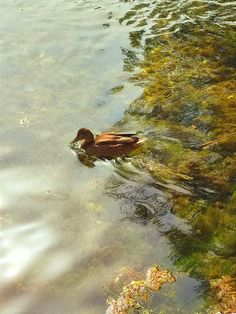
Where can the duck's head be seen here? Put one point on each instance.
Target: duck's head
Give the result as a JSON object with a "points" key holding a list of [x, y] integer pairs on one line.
{"points": [[83, 134]]}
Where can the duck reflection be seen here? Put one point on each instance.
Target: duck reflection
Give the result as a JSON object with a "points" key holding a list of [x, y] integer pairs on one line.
{"points": [[89, 161], [85, 159]]}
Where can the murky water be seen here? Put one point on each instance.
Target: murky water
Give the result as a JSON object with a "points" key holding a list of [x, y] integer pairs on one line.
{"points": [[66, 229]]}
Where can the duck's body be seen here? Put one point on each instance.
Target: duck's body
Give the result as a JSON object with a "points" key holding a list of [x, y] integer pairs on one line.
{"points": [[107, 145]]}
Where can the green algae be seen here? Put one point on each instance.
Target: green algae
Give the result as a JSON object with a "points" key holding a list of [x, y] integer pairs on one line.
{"points": [[188, 78], [193, 113], [116, 89]]}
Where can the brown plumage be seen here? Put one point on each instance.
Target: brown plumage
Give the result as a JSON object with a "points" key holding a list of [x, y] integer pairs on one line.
{"points": [[107, 145]]}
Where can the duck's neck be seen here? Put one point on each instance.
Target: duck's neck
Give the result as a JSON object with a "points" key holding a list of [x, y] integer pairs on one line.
{"points": [[87, 141]]}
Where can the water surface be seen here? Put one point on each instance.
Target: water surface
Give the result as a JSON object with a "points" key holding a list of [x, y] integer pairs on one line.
{"points": [[66, 229]]}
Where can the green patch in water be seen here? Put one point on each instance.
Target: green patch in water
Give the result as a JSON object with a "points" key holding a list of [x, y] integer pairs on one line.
{"points": [[188, 78], [116, 89]]}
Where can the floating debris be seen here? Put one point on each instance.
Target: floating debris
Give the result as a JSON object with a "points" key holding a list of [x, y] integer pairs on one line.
{"points": [[25, 122]]}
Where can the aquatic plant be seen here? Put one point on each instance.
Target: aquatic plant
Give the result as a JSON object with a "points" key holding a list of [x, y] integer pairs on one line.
{"points": [[186, 63], [225, 291], [135, 295]]}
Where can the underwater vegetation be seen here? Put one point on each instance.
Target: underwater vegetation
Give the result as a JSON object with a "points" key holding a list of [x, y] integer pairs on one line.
{"points": [[136, 294], [225, 290], [185, 61]]}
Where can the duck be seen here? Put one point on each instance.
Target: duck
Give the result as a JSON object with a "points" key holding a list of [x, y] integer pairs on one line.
{"points": [[107, 145]]}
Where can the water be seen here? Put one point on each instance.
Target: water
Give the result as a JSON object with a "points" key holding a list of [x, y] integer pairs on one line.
{"points": [[66, 229]]}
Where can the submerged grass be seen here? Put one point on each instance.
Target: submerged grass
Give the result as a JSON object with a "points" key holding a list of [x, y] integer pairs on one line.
{"points": [[188, 99]]}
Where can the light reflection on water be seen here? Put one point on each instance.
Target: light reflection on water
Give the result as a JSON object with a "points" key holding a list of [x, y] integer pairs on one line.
{"points": [[20, 245], [64, 233]]}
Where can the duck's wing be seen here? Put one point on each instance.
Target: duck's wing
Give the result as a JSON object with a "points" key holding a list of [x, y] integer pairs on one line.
{"points": [[115, 139], [120, 134]]}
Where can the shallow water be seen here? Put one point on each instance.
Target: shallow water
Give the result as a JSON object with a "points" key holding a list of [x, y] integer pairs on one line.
{"points": [[66, 229]]}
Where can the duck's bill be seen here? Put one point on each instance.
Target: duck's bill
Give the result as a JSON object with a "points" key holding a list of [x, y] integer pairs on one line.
{"points": [[74, 141]]}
